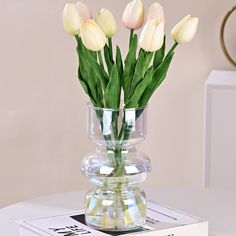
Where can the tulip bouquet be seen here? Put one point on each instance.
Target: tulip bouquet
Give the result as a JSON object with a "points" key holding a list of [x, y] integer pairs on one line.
{"points": [[138, 76], [113, 83]]}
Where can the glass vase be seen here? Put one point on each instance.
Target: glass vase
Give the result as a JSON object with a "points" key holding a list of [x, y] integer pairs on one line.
{"points": [[116, 169]]}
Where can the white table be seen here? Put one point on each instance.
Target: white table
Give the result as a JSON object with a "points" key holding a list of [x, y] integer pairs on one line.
{"points": [[217, 206]]}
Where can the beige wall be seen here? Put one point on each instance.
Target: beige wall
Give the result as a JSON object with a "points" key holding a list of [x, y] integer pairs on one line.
{"points": [[42, 107]]}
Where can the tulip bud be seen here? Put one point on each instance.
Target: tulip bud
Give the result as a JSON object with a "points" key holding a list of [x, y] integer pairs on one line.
{"points": [[133, 16], [71, 19], [156, 11], [152, 36], [92, 36], [107, 22], [84, 11], [185, 30]]}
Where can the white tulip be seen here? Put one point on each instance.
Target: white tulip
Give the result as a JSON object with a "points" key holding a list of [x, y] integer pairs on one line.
{"points": [[152, 36], [156, 11], [84, 11], [133, 16], [107, 22], [92, 36], [71, 19], [185, 30]]}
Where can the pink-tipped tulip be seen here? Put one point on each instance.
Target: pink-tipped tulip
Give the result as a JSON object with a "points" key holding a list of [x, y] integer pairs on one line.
{"points": [[133, 16], [84, 11], [156, 11]]}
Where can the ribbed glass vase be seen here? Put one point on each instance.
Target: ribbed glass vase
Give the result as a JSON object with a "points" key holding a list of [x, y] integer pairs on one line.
{"points": [[116, 169]]}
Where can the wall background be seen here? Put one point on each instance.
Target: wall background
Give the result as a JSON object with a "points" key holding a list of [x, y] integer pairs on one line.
{"points": [[42, 107]]}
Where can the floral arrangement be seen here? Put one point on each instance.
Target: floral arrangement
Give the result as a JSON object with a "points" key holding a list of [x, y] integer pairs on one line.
{"points": [[105, 78], [120, 85]]}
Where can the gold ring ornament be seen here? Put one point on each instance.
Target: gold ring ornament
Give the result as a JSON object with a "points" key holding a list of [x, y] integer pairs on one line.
{"points": [[222, 39]]}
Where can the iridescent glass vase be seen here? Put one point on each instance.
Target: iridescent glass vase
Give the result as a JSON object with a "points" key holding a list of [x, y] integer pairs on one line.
{"points": [[116, 169]]}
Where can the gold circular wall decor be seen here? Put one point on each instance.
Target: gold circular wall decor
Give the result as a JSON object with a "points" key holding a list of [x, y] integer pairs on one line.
{"points": [[222, 39]]}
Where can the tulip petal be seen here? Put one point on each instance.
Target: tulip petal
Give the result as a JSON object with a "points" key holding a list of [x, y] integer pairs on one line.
{"points": [[107, 22], [185, 30], [152, 36], [92, 36], [133, 16], [156, 11], [84, 11], [71, 19], [187, 33], [158, 38], [180, 24], [146, 36]]}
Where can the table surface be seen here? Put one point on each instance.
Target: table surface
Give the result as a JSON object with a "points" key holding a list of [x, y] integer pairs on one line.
{"points": [[215, 205]]}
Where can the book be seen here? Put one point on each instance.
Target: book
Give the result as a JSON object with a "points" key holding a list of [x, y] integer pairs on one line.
{"points": [[161, 221]]}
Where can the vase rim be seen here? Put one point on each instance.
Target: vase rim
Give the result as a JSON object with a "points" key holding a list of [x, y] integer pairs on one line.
{"points": [[90, 105]]}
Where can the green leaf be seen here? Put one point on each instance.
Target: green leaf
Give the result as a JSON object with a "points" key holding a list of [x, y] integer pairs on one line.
{"points": [[86, 71], [85, 87], [83, 83], [119, 64], [89, 78], [147, 61], [92, 73], [158, 77], [100, 100], [139, 90], [110, 47], [159, 55], [93, 54], [91, 64], [107, 58], [98, 70], [141, 68], [112, 93], [129, 66]]}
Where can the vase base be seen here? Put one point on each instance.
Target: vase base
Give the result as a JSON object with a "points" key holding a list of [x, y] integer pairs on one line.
{"points": [[115, 210], [118, 230]]}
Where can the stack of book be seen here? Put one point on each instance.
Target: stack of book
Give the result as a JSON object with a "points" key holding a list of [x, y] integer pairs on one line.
{"points": [[161, 221]]}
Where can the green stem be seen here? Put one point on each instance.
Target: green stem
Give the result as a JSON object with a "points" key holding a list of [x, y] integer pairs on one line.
{"points": [[121, 131], [115, 125], [100, 59], [77, 38], [104, 217], [131, 37], [110, 48], [111, 154], [116, 210], [125, 132], [142, 208], [120, 168], [108, 139], [126, 215], [172, 49], [97, 206]]}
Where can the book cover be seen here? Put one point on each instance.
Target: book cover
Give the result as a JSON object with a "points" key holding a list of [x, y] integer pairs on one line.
{"points": [[161, 221]]}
